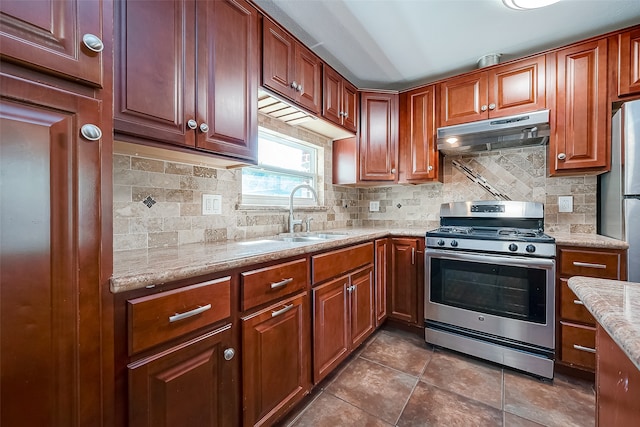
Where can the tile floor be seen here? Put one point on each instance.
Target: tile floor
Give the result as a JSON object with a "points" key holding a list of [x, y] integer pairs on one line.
{"points": [[396, 379]]}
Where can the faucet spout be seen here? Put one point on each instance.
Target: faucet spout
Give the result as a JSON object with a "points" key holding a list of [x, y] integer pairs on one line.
{"points": [[292, 220]]}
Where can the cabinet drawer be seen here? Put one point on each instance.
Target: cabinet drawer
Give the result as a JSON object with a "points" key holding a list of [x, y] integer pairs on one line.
{"points": [[589, 263], [157, 318], [569, 309], [270, 283], [332, 264], [578, 345]]}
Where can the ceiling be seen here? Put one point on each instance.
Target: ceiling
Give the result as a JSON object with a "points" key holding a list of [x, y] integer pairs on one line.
{"points": [[397, 44]]}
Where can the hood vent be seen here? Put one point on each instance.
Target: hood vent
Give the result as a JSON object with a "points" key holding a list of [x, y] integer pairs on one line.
{"points": [[495, 134]]}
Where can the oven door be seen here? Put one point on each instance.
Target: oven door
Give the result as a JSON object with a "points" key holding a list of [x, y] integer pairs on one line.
{"points": [[503, 296]]}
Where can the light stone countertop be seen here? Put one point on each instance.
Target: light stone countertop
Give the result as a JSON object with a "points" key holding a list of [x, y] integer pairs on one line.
{"points": [[616, 307], [588, 240], [139, 268]]}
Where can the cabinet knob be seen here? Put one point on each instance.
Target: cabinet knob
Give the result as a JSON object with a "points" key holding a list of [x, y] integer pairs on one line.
{"points": [[229, 353], [204, 128], [192, 124], [345, 115], [492, 106], [562, 156], [294, 85], [483, 108], [93, 42], [430, 168], [393, 170], [91, 132], [299, 88]]}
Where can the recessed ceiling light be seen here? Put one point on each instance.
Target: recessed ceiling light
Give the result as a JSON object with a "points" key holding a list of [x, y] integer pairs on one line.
{"points": [[527, 4], [452, 140]]}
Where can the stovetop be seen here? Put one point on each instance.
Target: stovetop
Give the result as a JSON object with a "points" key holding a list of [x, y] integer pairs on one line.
{"points": [[492, 233]]}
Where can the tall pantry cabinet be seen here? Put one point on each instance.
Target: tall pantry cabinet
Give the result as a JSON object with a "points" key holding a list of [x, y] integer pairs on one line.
{"points": [[55, 223]]}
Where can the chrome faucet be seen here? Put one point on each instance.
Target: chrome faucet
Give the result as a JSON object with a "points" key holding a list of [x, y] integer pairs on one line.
{"points": [[292, 221]]}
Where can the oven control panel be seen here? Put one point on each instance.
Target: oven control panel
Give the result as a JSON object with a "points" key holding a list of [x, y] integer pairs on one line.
{"points": [[542, 250], [487, 208]]}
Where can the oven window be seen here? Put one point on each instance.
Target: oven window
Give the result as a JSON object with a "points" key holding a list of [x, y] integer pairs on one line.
{"points": [[506, 291]]}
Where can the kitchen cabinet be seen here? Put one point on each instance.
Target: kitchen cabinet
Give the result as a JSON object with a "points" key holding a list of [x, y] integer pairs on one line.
{"points": [[186, 74], [617, 384], [575, 327], [58, 37], [580, 141], [378, 144], [276, 360], [382, 274], [339, 100], [418, 148], [406, 284], [54, 324], [343, 304], [182, 372], [502, 90], [629, 62], [289, 68]]}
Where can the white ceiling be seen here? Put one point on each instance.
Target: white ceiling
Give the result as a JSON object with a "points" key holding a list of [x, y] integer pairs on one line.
{"points": [[397, 44]]}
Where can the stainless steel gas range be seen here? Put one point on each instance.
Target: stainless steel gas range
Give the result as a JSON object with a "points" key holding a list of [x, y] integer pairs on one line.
{"points": [[490, 284]]}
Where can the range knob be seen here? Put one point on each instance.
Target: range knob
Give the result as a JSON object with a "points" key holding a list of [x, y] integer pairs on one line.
{"points": [[440, 242], [530, 248], [513, 247], [454, 243]]}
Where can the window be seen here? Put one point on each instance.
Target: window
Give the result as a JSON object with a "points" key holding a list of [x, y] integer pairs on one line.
{"points": [[283, 163]]}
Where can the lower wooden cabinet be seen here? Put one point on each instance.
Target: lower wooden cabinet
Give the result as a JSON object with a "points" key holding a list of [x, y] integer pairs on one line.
{"points": [[382, 274], [343, 318], [190, 384], [406, 285], [275, 359]]}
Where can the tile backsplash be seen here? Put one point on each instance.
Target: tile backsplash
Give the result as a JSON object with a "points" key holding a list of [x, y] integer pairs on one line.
{"points": [[159, 203]]}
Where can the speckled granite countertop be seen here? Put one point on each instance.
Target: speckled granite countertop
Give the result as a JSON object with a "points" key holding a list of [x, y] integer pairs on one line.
{"points": [[616, 307], [588, 240], [142, 267]]}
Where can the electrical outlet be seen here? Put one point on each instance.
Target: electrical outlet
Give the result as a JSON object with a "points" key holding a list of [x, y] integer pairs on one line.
{"points": [[211, 204], [565, 204], [374, 206]]}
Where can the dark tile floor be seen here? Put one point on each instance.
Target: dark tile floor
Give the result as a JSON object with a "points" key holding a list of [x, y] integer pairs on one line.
{"points": [[396, 379]]}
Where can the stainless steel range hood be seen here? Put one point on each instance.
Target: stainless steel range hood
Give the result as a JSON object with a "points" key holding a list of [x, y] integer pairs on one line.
{"points": [[495, 134]]}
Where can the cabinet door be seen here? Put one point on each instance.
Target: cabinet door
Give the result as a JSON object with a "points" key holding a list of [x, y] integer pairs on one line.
{"points": [[463, 99], [418, 150], [378, 136], [517, 88], [629, 63], [276, 359], [581, 138], [330, 326], [49, 35], [404, 284], [309, 78], [154, 90], [187, 385], [362, 305], [381, 265], [50, 234], [227, 87], [332, 95], [350, 106], [278, 64]]}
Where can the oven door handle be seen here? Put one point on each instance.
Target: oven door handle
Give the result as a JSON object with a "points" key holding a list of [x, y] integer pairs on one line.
{"points": [[545, 263]]}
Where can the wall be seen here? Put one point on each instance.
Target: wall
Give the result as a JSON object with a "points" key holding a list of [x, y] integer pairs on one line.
{"points": [[519, 173]]}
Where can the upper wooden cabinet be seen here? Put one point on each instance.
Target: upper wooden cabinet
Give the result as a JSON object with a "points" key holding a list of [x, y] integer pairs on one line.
{"points": [[378, 145], [418, 148], [629, 62], [186, 74], [340, 100], [289, 68], [59, 37], [580, 139], [500, 91]]}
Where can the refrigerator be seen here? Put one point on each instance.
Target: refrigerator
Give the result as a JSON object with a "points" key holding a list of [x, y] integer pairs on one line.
{"points": [[619, 189]]}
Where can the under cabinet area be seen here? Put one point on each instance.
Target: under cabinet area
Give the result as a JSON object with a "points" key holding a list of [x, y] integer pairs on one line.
{"points": [[575, 326]]}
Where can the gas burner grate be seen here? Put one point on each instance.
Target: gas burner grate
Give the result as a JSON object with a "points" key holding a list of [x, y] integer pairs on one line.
{"points": [[518, 232], [456, 230]]}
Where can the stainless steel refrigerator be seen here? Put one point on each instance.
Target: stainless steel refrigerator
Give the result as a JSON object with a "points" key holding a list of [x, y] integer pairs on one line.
{"points": [[619, 189]]}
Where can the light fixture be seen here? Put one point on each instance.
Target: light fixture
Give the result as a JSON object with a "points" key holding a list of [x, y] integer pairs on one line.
{"points": [[527, 4], [452, 140]]}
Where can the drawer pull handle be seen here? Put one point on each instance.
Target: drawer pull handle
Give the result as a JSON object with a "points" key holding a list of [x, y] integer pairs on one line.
{"points": [[195, 311], [582, 348], [588, 265], [282, 283], [578, 302], [282, 310]]}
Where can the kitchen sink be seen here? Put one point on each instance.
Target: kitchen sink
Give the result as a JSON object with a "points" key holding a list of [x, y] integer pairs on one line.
{"points": [[311, 237]]}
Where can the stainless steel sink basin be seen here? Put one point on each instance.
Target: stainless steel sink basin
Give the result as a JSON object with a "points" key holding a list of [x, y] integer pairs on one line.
{"points": [[312, 237]]}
